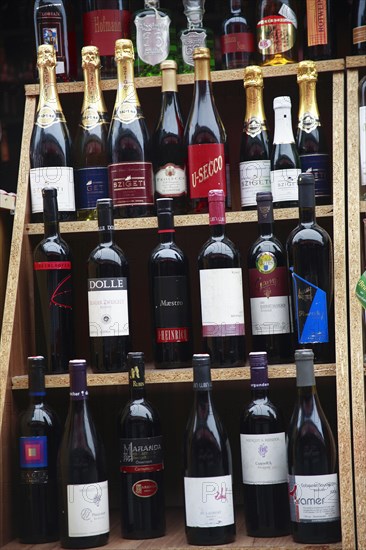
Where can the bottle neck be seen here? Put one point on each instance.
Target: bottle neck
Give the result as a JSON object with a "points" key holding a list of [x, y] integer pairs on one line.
{"points": [[306, 392], [194, 19], [50, 218], [169, 81], [48, 95], [166, 230], [259, 393], [254, 103], [106, 234], [235, 6], [265, 218], [283, 126], [202, 73], [105, 225], [307, 214], [217, 219], [93, 96], [308, 102], [126, 83]]}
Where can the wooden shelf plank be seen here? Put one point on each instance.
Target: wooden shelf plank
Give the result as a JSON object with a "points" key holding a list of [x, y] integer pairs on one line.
{"points": [[7, 202], [355, 61]]}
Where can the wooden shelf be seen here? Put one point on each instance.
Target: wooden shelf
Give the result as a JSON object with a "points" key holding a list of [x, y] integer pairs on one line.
{"points": [[355, 61]]}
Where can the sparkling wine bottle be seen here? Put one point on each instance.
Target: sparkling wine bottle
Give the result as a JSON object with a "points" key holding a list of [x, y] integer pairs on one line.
{"points": [[108, 303], [312, 463], [194, 36], [39, 438], [320, 30], [50, 146], [208, 485], [90, 148], [82, 472], [141, 460], [359, 27], [53, 289], [237, 38]]}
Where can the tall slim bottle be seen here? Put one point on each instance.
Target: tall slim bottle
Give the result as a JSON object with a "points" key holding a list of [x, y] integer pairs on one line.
{"points": [[255, 163], [320, 33], [50, 146], [38, 442], [362, 135], [312, 463], [90, 148], [237, 38], [358, 27], [130, 171]]}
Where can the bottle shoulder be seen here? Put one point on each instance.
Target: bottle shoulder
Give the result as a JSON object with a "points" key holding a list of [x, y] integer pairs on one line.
{"points": [[266, 244], [38, 415], [308, 235], [108, 253], [167, 251], [50, 246], [219, 248], [139, 410]]}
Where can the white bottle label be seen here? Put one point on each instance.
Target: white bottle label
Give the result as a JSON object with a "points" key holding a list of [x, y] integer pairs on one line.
{"points": [[289, 14], [254, 178], [314, 498], [263, 458], [61, 177], [88, 509], [171, 181], [362, 122], [108, 307], [209, 501], [284, 184], [270, 315]]}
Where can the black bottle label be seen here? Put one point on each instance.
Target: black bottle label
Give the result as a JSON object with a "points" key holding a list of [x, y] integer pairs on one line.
{"points": [[171, 309], [141, 455], [311, 312]]}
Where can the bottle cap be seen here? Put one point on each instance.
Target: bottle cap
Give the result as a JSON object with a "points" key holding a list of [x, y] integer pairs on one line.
{"points": [[105, 214], [304, 359], [307, 71], [306, 184], [282, 102], [201, 363], [78, 386], [216, 195], [168, 64], [265, 207], [124, 49], [136, 368], [264, 196], [258, 369], [46, 55], [90, 56], [201, 53], [36, 373], [216, 207], [253, 76]]}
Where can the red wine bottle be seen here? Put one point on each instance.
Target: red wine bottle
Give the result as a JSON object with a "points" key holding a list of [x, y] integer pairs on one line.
{"points": [[237, 38], [53, 290], [263, 458], [312, 463], [221, 276], [269, 290], [82, 471], [319, 40], [108, 302], [141, 460], [170, 296], [208, 485], [359, 27], [39, 438]]}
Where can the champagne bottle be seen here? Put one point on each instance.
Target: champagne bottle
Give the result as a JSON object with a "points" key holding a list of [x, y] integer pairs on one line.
{"points": [[208, 485], [255, 164], [312, 463], [359, 27], [263, 458], [205, 138], [237, 38], [170, 296], [269, 289], [362, 135], [194, 36], [90, 149], [108, 302], [310, 139], [320, 30], [50, 146], [130, 170], [141, 460], [53, 289], [39, 438], [82, 473], [169, 152], [221, 275]]}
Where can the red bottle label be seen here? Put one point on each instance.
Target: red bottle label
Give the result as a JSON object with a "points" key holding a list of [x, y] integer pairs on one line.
{"points": [[206, 169], [316, 15], [267, 285], [131, 183], [237, 42], [170, 335], [103, 27], [145, 488], [47, 266]]}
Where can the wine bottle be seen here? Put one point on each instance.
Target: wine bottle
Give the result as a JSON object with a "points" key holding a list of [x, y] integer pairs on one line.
{"points": [[208, 485], [104, 22], [141, 460], [194, 36], [169, 152], [205, 138], [170, 296], [50, 146], [320, 30], [82, 473], [255, 164], [90, 149], [269, 289], [310, 139], [310, 262], [362, 135], [130, 170], [39, 438], [237, 38], [53, 289], [285, 160], [263, 458], [359, 27], [312, 463], [221, 275], [276, 31], [108, 302]]}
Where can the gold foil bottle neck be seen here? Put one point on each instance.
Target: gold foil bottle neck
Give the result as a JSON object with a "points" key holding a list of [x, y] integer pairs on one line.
{"points": [[124, 49], [90, 57], [169, 76], [253, 76], [201, 53], [307, 71], [46, 56]]}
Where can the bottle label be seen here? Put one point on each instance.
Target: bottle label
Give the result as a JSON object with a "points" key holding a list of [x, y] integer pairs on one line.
{"points": [[255, 177], [33, 453], [284, 184], [102, 28], [129, 109], [254, 126], [171, 309], [47, 116], [88, 509], [308, 122], [362, 129], [61, 177], [91, 185], [359, 34], [191, 40], [171, 181], [91, 117], [223, 317], [237, 42], [206, 169], [59, 288], [318, 165], [263, 458], [152, 37], [50, 30], [108, 307], [131, 183], [209, 501], [316, 17], [141, 455], [275, 34], [314, 499]]}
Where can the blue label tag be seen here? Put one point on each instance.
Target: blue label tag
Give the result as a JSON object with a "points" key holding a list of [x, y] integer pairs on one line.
{"points": [[319, 166], [91, 185], [33, 452]]}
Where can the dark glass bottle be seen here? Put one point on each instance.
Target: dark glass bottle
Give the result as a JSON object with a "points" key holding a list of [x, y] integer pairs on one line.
{"points": [[50, 146], [320, 26], [130, 171], [237, 38], [269, 291], [170, 296], [141, 460], [169, 151], [362, 135], [108, 298], [310, 262], [359, 27], [263, 458], [90, 148], [312, 463], [39, 438], [82, 471], [220, 275], [208, 485], [53, 291]]}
